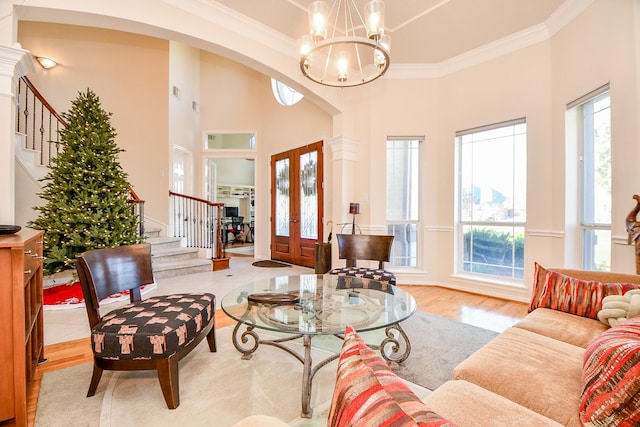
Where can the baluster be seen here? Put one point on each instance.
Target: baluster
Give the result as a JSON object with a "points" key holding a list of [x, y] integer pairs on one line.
{"points": [[33, 126]]}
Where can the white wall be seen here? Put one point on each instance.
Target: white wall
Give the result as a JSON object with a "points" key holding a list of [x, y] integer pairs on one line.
{"points": [[599, 45], [129, 73], [184, 119]]}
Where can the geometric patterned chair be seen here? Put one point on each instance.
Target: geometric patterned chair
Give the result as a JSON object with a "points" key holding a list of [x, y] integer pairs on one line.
{"points": [[150, 334], [354, 247]]}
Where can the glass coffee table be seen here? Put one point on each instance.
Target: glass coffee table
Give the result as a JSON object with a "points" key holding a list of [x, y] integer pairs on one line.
{"points": [[304, 306]]}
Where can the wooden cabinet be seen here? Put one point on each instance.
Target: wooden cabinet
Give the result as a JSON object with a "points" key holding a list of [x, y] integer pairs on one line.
{"points": [[21, 321]]}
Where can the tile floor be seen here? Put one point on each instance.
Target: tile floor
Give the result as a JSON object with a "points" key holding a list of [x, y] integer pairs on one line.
{"points": [[71, 324]]}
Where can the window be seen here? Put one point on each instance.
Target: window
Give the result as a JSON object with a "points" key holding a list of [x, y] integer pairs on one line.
{"points": [[594, 133], [491, 198], [230, 141], [284, 94], [403, 199]]}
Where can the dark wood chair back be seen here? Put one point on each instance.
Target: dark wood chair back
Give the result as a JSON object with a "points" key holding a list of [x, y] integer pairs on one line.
{"points": [[353, 247], [109, 271]]}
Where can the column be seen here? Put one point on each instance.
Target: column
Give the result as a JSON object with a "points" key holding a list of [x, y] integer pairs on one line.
{"points": [[14, 63], [344, 155]]}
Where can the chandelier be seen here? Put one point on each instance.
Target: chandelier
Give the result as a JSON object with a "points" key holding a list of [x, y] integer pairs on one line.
{"points": [[355, 57]]}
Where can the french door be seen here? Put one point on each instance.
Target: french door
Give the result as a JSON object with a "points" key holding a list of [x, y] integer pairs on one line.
{"points": [[296, 204]]}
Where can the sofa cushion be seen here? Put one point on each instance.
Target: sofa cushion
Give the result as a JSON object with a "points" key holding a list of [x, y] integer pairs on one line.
{"points": [[572, 329], [368, 393], [153, 328], [470, 405], [385, 277], [556, 290], [537, 372], [611, 377]]}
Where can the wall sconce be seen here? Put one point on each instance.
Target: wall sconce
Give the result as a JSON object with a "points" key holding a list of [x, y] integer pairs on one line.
{"points": [[46, 63]]}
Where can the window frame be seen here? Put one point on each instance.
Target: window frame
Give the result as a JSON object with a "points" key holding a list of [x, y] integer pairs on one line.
{"points": [[517, 276], [588, 229], [412, 254]]}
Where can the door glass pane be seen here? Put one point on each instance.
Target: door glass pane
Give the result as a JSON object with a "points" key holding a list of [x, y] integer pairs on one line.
{"points": [[282, 197], [309, 195]]}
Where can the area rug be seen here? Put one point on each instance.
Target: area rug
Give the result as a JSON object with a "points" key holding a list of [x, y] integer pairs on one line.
{"points": [[218, 389], [438, 345], [62, 297], [269, 264]]}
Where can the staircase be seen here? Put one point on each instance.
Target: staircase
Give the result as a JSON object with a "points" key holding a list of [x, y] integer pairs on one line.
{"points": [[170, 259]]}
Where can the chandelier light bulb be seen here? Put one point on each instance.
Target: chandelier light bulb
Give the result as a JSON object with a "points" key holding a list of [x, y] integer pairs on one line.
{"points": [[374, 19], [305, 45], [342, 65], [318, 15]]}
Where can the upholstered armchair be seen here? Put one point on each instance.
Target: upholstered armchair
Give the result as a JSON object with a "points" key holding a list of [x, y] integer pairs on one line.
{"points": [[150, 334]]}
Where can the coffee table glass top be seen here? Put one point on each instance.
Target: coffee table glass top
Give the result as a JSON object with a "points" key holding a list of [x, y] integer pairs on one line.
{"points": [[318, 304]]}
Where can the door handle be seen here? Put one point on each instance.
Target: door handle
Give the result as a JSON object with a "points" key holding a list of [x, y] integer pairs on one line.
{"points": [[293, 220]]}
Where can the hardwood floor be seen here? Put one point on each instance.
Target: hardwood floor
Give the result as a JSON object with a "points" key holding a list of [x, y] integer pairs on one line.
{"points": [[486, 312]]}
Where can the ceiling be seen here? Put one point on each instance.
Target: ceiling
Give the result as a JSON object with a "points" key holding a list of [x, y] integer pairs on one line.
{"points": [[422, 31]]}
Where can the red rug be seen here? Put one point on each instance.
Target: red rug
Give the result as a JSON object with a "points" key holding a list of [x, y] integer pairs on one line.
{"points": [[70, 296]]}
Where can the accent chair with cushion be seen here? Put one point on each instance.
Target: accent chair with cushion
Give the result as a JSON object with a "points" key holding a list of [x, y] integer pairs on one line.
{"points": [[150, 334], [365, 247]]}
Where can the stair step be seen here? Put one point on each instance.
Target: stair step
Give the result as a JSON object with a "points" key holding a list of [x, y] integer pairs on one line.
{"points": [[163, 243], [180, 268], [174, 254], [152, 232]]}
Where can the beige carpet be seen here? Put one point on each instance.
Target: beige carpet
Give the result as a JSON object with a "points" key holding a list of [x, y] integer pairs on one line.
{"points": [[218, 389]]}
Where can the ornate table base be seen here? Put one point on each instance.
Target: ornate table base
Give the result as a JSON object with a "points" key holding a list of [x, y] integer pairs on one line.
{"points": [[391, 349]]}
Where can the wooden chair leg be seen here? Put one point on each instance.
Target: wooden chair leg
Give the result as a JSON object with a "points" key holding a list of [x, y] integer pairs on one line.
{"points": [[169, 381], [95, 380], [211, 339]]}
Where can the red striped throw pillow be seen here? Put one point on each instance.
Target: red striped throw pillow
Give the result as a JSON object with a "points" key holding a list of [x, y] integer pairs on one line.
{"points": [[368, 393], [611, 378], [557, 291]]}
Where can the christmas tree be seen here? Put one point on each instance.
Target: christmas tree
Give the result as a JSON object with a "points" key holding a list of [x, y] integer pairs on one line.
{"points": [[86, 190]]}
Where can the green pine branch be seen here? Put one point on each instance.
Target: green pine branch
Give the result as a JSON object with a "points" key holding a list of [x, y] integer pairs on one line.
{"points": [[86, 190]]}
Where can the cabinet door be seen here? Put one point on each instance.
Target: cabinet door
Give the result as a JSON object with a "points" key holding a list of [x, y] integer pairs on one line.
{"points": [[7, 402]]}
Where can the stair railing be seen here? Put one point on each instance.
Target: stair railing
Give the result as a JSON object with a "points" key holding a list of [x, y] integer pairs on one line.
{"points": [[40, 124], [137, 209], [197, 221]]}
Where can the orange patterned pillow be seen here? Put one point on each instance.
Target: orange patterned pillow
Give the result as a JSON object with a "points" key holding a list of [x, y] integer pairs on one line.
{"points": [[368, 393], [552, 289], [611, 377]]}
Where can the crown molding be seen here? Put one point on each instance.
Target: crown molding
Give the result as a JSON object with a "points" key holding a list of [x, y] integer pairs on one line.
{"points": [[566, 13], [229, 19]]}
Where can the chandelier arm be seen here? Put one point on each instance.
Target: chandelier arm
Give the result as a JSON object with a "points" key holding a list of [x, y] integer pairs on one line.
{"points": [[326, 63], [356, 47], [364, 24], [335, 21]]}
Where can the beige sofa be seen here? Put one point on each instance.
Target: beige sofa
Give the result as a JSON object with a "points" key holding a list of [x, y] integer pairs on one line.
{"points": [[529, 375]]}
